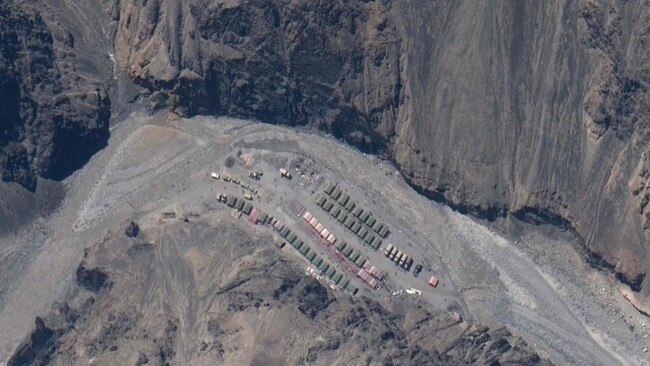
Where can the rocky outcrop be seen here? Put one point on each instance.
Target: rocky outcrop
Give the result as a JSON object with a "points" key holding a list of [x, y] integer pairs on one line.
{"points": [[536, 110], [52, 118], [233, 298]]}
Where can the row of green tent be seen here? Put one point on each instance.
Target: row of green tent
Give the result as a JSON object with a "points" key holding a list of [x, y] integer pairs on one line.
{"points": [[318, 262], [351, 223], [344, 200], [240, 204], [353, 255]]}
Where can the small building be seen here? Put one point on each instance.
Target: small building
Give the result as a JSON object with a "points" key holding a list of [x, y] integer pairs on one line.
{"points": [[433, 282], [168, 215], [331, 239], [307, 216], [313, 222], [248, 196], [319, 227], [214, 175]]}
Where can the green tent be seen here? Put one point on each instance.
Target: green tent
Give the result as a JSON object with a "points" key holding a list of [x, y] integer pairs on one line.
{"points": [[344, 282], [351, 289], [360, 261], [330, 272], [350, 205], [284, 232], [330, 188], [341, 245], [240, 204]]}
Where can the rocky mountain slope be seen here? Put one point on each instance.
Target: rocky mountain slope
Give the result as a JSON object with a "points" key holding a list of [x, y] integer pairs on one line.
{"points": [[179, 294], [539, 110], [54, 114], [535, 110]]}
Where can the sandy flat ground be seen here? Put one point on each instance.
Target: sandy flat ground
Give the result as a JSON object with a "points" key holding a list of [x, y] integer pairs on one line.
{"points": [[536, 283]]}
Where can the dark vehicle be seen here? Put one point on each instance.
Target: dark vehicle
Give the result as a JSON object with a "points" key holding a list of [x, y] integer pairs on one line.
{"points": [[417, 270]]}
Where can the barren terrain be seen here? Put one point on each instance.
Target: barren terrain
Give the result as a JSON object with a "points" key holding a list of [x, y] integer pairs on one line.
{"points": [[537, 285]]}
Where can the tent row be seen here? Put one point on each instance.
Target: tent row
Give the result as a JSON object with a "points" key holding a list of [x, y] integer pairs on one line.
{"points": [[368, 278], [240, 204], [400, 258], [352, 224], [374, 271], [338, 278], [320, 228], [259, 216], [364, 215], [353, 255], [317, 261]]}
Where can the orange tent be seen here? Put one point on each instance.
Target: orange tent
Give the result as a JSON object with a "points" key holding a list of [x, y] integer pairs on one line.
{"points": [[433, 281]]}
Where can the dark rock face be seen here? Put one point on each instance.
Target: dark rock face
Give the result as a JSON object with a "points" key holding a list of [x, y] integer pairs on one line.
{"points": [[132, 230], [51, 119], [39, 348], [92, 280], [333, 64]]}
